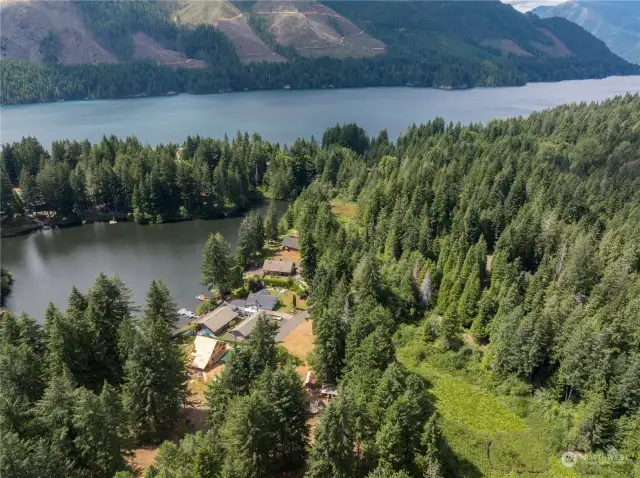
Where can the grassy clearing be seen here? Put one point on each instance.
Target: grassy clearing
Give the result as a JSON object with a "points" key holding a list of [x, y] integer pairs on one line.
{"points": [[345, 211], [485, 434]]}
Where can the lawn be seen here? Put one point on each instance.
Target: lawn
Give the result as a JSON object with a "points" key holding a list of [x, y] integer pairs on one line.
{"points": [[285, 300]]}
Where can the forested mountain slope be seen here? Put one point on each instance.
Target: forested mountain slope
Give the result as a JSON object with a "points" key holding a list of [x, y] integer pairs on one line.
{"points": [[617, 23], [302, 44]]}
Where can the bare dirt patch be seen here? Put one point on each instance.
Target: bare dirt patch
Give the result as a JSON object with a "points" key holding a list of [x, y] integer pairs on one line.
{"points": [[249, 47], [559, 49], [300, 342], [506, 46], [284, 255], [146, 48], [23, 23], [142, 459], [230, 21], [316, 30]]}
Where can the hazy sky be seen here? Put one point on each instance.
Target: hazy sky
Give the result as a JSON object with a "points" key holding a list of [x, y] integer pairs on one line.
{"points": [[526, 5]]}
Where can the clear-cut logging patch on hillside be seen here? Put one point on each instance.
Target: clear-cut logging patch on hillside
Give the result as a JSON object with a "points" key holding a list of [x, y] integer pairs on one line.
{"points": [[230, 21], [558, 49], [146, 48], [506, 47], [23, 24], [315, 30]]}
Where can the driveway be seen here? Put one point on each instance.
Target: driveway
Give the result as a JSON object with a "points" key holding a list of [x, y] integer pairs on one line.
{"points": [[287, 325]]}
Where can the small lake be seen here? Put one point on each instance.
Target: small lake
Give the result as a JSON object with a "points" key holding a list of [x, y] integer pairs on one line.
{"points": [[283, 116], [46, 264]]}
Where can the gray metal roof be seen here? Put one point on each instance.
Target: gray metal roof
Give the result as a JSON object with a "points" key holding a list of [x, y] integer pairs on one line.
{"points": [[218, 318], [290, 241], [262, 300], [244, 328]]}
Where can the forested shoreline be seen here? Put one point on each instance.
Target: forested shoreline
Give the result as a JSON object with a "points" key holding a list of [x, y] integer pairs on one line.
{"points": [[202, 179], [25, 82], [479, 314]]}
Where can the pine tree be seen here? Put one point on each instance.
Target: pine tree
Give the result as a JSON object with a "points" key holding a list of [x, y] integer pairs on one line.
{"points": [[330, 332], [283, 389], [429, 459], [244, 244], [309, 259], [108, 304], [6, 194], [217, 263], [262, 344], [100, 427], [57, 354], [160, 305], [154, 382], [271, 223], [248, 438], [332, 453], [366, 278], [54, 417], [197, 455]]}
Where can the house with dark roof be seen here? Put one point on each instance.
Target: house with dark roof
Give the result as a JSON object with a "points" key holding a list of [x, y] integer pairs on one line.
{"points": [[244, 328], [277, 267], [290, 243], [261, 300], [216, 321]]}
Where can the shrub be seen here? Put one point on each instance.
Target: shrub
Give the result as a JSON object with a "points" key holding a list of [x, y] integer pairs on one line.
{"points": [[254, 284], [278, 282]]}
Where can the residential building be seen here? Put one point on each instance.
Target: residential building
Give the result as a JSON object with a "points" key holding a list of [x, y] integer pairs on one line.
{"points": [[290, 243], [207, 352], [278, 267], [216, 321]]}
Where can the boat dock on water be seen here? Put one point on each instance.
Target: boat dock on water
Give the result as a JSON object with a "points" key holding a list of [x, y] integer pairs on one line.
{"points": [[186, 313]]}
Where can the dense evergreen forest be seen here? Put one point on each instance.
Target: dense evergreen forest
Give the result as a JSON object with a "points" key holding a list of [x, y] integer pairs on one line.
{"points": [[479, 315], [442, 50], [204, 178]]}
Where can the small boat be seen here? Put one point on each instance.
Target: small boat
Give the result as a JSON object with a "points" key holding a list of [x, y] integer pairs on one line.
{"points": [[190, 315], [201, 298], [113, 221], [182, 311]]}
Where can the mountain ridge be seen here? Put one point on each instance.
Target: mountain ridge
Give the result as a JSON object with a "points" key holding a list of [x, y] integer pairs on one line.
{"points": [[615, 23], [223, 46]]}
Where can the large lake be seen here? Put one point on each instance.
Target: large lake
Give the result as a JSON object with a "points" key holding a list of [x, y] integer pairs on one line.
{"points": [[46, 264], [285, 115]]}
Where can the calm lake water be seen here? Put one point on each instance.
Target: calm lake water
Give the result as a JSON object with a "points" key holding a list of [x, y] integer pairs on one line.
{"points": [[46, 264], [285, 115]]}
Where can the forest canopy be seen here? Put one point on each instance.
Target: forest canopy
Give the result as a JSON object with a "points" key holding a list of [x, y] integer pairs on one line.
{"points": [[478, 313]]}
